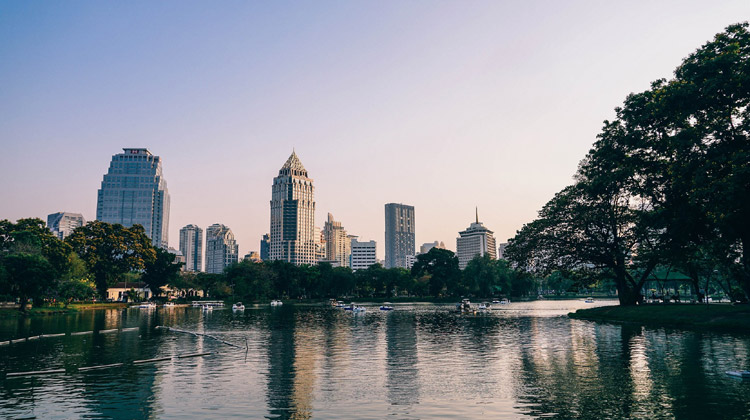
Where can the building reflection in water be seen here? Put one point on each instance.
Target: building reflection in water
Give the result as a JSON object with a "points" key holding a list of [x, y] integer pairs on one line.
{"points": [[402, 373]]}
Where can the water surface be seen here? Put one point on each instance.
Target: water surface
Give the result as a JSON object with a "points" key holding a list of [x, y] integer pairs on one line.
{"points": [[420, 361]]}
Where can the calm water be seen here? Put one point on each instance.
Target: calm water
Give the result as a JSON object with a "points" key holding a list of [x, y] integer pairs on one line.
{"points": [[527, 360]]}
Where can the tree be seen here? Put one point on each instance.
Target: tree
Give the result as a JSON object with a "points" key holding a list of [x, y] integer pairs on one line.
{"points": [[251, 281], [76, 284], [160, 271], [111, 250], [482, 276], [441, 265], [28, 276]]}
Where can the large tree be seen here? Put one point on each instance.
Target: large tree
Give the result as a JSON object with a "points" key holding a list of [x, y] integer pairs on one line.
{"points": [[441, 267], [111, 250], [161, 270]]}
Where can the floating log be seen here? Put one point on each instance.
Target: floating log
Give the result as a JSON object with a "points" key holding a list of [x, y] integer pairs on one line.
{"points": [[130, 329], [108, 331], [4, 343], [52, 335], [87, 368], [82, 333], [185, 356], [35, 372], [158, 359], [34, 337]]}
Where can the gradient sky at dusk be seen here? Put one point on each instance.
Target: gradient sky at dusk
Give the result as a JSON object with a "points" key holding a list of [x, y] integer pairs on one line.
{"points": [[444, 105]]}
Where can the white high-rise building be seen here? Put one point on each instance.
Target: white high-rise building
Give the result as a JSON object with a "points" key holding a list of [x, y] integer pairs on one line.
{"points": [[63, 224], [399, 234], [293, 215], [221, 248], [338, 244], [363, 254], [134, 191], [191, 247], [476, 240]]}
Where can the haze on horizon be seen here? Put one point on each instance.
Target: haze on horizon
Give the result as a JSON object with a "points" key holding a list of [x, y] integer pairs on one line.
{"points": [[443, 105]]}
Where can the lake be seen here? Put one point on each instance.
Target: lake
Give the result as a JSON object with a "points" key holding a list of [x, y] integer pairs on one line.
{"points": [[419, 361]]}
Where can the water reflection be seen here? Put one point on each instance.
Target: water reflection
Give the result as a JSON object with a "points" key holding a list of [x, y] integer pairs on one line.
{"points": [[420, 361]]}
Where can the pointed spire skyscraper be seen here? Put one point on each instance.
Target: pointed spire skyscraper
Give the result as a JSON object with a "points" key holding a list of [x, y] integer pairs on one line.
{"points": [[292, 235]]}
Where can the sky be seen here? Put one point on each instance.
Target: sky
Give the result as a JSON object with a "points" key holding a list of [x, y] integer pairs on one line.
{"points": [[443, 105]]}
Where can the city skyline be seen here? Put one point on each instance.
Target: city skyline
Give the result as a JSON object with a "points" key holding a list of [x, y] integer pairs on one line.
{"points": [[444, 106]]}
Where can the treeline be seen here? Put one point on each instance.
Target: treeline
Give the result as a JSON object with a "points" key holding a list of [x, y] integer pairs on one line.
{"points": [[665, 187], [435, 274], [35, 265]]}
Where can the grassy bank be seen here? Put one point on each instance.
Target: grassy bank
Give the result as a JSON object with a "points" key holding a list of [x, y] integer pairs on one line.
{"points": [[719, 317], [57, 310]]}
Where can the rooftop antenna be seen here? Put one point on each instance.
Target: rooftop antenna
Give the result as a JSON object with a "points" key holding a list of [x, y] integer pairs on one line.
{"points": [[477, 210]]}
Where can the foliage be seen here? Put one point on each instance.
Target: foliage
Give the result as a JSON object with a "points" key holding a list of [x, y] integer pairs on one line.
{"points": [[441, 265], [667, 182], [110, 250], [160, 271], [28, 276]]}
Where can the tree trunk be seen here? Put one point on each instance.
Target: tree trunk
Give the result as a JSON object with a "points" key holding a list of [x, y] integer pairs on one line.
{"points": [[745, 275], [625, 293]]}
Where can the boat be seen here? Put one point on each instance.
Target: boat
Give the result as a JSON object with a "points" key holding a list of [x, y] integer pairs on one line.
{"points": [[505, 301], [464, 306], [276, 302], [495, 302], [147, 305], [238, 307], [744, 374], [340, 304], [484, 306], [589, 300], [208, 308], [386, 306], [350, 307], [358, 309], [169, 305]]}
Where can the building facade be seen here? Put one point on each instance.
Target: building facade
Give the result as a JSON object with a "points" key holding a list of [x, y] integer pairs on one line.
{"points": [[399, 234], [426, 247], [63, 224], [338, 244], [364, 254], [476, 240], [221, 248], [191, 246], [292, 236], [134, 191], [265, 244]]}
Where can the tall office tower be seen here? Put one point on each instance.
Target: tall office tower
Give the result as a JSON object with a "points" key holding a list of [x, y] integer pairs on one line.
{"points": [[134, 192], [426, 247], [191, 246], [399, 234], [265, 243], [221, 248], [293, 215], [363, 254], [320, 244], [338, 245], [476, 240], [64, 223]]}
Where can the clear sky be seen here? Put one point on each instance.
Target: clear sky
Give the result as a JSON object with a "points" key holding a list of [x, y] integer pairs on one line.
{"points": [[444, 105]]}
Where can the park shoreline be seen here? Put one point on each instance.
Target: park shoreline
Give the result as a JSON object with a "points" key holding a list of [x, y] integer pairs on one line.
{"points": [[713, 317]]}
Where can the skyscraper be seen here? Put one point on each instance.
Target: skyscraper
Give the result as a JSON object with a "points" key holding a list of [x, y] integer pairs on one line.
{"points": [[221, 248], [477, 240], [191, 246], [338, 245], [293, 215], [134, 191], [63, 224], [399, 234]]}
